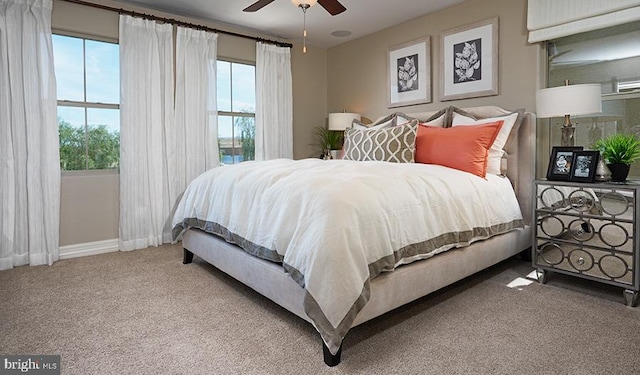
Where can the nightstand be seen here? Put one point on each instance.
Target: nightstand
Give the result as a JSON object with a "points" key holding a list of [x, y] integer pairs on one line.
{"points": [[589, 231]]}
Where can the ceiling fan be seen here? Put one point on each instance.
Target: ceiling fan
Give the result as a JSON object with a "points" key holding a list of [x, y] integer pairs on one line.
{"points": [[332, 6]]}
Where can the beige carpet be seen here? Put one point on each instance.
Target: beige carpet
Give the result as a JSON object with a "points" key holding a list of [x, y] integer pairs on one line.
{"points": [[144, 312]]}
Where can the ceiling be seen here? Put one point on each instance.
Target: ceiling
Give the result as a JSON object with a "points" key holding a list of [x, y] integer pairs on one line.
{"points": [[282, 19]]}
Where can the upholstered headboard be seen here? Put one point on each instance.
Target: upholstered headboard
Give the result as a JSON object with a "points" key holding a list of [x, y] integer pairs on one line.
{"points": [[521, 155]]}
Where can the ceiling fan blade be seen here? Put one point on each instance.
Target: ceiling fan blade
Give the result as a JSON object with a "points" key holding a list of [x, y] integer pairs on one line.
{"points": [[332, 6], [257, 5]]}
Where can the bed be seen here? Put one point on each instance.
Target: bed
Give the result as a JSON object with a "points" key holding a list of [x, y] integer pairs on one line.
{"points": [[330, 265]]}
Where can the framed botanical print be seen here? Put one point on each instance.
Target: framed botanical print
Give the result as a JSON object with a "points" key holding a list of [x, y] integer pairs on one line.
{"points": [[469, 56], [560, 162], [409, 73]]}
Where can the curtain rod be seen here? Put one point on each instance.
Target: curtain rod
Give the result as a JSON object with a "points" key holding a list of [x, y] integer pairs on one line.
{"points": [[178, 23]]}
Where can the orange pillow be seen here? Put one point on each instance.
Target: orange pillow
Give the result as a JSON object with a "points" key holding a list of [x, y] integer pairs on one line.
{"points": [[462, 147]]}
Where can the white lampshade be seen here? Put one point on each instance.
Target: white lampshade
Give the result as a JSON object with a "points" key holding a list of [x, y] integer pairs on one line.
{"points": [[341, 121], [568, 100], [309, 2]]}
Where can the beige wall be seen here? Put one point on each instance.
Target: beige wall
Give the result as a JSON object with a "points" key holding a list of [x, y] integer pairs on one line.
{"points": [[89, 201], [89, 207], [309, 71], [357, 70]]}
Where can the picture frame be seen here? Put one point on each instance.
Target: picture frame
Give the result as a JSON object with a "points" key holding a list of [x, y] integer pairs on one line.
{"points": [[469, 60], [583, 167], [560, 162], [409, 73]]}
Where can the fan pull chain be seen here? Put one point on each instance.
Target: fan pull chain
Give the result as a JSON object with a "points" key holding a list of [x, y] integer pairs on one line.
{"points": [[304, 21]]}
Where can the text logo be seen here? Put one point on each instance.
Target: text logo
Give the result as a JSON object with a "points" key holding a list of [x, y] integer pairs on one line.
{"points": [[30, 364]]}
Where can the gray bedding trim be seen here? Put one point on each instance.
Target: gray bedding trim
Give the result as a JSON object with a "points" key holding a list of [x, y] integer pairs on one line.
{"points": [[452, 239], [219, 230], [296, 275], [333, 336]]}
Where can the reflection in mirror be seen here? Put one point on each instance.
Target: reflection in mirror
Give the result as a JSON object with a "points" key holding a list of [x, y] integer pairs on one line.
{"points": [[551, 197], [552, 226], [615, 204], [582, 200], [551, 253], [581, 230], [614, 234], [610, 57]]}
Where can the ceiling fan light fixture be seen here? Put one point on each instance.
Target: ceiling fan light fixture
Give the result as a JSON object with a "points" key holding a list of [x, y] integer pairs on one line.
{"points": [[304, 3]]}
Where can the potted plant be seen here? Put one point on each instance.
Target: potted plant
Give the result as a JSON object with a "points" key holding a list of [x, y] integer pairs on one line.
{"points": [[619, 151], [328, 140]]}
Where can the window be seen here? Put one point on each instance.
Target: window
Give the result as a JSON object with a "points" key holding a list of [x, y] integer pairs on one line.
{"points": [[88, 84], [236, 94]]}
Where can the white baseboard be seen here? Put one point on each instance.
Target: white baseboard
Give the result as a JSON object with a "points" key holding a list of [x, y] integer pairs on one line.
{"points": [[88, 248]]}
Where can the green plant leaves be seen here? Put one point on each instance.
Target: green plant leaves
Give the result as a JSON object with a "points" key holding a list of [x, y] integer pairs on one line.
{"points": [[328, 139], [619, 148]]}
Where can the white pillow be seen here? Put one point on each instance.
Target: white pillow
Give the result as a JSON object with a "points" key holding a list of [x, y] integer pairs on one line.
{"points": [[438, 121], [402, 119], [435, 119], [497, 148]]}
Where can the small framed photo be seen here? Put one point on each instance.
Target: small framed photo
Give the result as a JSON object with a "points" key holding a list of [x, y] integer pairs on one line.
{"points": [[409, 73], [583, 167], [560, 162]]}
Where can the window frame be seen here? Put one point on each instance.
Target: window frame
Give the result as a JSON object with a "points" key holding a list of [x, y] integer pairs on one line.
{"points": [[233, 114], [86, 104]]}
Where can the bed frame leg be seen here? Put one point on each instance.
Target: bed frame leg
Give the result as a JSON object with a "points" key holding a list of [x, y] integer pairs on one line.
{"points": [[331, 359], [187, 257]]}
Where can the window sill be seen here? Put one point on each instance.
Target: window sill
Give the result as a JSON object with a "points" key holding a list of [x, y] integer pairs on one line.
{"points": [[90, 173]]}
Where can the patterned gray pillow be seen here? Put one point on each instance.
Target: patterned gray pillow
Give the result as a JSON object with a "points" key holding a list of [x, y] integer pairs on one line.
{"points": [[396, 144]]}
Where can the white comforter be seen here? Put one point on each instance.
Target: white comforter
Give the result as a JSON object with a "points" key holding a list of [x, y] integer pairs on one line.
{"points": [[337, 224]]}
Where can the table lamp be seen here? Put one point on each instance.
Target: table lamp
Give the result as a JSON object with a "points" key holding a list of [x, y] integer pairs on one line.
{"points": [[338, 122], [567, 101], [341, 121]]}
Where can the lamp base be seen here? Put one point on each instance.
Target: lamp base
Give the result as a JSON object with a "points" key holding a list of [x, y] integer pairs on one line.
{"points": [[567, 135], [568, 132]]}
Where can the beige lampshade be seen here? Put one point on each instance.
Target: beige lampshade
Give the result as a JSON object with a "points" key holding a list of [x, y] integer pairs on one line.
{"points": [[568, 100], [341, 121]]}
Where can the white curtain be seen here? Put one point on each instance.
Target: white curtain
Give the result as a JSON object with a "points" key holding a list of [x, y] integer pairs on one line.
{"points": [[551, 19], [195, 134], [29, 154], [274, 102], [146, 114]]}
